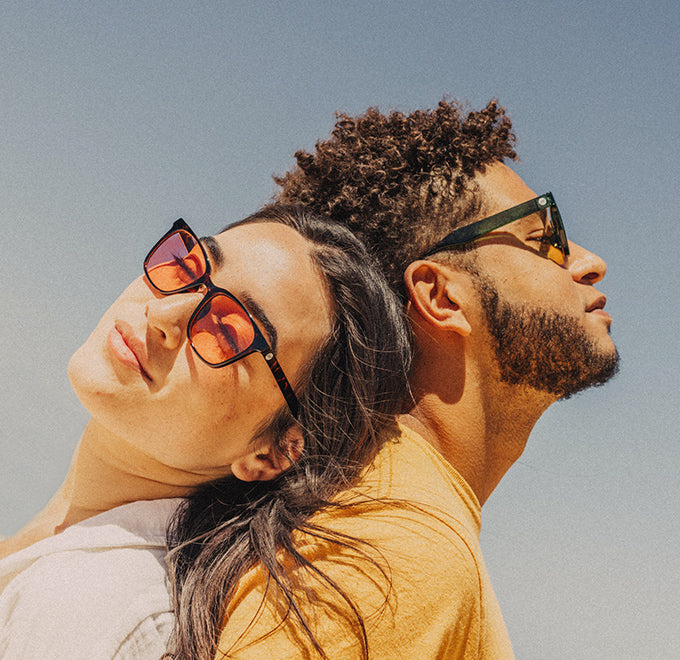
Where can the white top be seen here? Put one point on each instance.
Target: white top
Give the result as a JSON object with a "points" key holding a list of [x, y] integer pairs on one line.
{"points": [[96, 591]]}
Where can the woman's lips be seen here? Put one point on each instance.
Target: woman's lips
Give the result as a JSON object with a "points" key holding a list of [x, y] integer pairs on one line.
{"points": [[121, 345]]}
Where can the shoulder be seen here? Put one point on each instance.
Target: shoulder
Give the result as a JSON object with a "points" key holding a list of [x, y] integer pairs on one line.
{"points": [[406, 582], [411, 570], [412, 524], [85, 599], [115, 571], [423, 548], [412, 502]]}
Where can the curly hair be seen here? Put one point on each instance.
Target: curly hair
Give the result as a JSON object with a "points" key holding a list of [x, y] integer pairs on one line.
{"points": [[401, 182]]}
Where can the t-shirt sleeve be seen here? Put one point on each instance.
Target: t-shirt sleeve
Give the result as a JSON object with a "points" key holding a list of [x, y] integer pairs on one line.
{"points": [[415, 583]]}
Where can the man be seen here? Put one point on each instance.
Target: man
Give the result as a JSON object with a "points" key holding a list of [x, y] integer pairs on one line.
{"points": [[505, 320]]}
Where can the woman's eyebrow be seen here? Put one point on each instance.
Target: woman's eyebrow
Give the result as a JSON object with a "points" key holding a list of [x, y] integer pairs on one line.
{"points": [[257, 311], [215, 250], [217, 260]]}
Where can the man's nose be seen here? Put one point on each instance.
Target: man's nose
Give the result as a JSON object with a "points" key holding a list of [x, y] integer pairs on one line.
{"points": [[585, 266]]}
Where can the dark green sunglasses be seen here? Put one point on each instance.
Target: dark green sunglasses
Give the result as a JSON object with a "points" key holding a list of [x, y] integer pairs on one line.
{"points": [[556, 239]]}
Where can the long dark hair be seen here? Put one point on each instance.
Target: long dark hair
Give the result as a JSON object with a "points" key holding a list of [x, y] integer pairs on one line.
{"points": [[353, 386]]}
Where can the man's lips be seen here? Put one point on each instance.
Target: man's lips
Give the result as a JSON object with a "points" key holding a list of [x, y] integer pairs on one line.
{"points": [[598, 303], [127, 348], [597, 308]]}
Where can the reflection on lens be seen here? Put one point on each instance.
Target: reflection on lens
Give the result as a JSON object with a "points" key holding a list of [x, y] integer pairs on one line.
{"points": [[176, 263], [221, 330], [555, 254], [560, 237]]}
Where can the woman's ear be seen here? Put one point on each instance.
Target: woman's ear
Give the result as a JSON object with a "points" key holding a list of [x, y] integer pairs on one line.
{"points": [[437, 293], [266, 461]]}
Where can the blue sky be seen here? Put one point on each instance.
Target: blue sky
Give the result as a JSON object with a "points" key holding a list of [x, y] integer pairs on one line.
{"points": [[118, 118]]}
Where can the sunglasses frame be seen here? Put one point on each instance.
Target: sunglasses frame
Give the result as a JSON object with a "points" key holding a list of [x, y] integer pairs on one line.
{"points": [[482, 227], [259, 343]]}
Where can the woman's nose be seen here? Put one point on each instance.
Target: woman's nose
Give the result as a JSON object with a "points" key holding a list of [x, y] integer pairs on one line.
{"points": [[168, 316], [585, 266]]}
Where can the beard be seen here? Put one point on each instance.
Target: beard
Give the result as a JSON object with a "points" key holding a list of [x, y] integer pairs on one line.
{"points": [[543, 349]]}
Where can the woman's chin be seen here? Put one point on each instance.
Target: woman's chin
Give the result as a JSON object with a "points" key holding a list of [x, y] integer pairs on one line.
{"points": [[92, 378]]}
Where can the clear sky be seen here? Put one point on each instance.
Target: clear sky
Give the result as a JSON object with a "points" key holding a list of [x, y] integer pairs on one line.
{"points": [[117, 118]]}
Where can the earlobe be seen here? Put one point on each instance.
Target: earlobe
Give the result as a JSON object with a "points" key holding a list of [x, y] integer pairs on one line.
{"points": [[436, 293], [255, 467], [266, 462]]}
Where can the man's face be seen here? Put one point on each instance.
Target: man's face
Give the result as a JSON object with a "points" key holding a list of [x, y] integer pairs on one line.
{"points": [[544, 349], [547, 321]]}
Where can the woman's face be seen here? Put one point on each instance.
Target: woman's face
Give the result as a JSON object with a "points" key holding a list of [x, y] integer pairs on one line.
{"points": [[139, 378]]}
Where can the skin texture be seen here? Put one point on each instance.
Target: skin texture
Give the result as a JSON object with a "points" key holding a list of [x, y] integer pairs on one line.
{"points": [[211, 414], [464, 404], [163, 421], [522, 278]]}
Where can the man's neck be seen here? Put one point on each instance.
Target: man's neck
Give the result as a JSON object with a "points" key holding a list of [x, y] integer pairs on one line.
{"points": [[480, 426], [105, 472]]}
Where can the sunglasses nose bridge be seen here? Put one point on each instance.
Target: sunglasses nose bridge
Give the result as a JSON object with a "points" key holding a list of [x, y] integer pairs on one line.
{"points": [[208, 286]]}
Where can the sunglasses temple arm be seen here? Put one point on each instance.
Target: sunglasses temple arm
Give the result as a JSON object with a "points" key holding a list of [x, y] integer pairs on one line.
{"points": [[476, 229], [283, 384]]}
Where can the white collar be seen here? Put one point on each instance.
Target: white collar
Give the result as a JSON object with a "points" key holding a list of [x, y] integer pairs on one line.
{"points": [[139, 524]]}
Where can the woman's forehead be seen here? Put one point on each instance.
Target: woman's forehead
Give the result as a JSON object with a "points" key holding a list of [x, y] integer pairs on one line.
{"points": [[272, 264], [267, 250]]}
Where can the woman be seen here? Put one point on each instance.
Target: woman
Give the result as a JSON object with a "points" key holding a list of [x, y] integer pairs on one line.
{"points": [[270, 349]]}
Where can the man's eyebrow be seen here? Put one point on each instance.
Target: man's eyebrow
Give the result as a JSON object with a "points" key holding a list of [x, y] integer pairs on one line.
{"points": [[540, 215], [214, 249], [257, 311]]}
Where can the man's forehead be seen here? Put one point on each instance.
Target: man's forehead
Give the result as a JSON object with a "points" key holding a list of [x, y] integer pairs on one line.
{"points": [[501, 188]]}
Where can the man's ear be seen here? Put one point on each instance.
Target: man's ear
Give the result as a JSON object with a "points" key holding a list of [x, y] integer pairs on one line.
{"points": [[437, 293], [265, 461]]}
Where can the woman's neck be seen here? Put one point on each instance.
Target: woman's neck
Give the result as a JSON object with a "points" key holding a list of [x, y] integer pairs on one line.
{"points": [[105, 472]]}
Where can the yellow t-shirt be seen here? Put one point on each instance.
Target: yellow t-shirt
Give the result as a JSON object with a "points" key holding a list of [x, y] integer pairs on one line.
{"points": [[429, 596]]}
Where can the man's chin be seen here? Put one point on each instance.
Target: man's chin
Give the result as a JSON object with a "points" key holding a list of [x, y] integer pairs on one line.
{"points": [[545, 350], [601, 371]]}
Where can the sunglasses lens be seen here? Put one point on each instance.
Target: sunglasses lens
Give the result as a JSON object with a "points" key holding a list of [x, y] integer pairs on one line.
{"points": [[555, 254], [220, 330], [559, 248], [177, 263]]}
